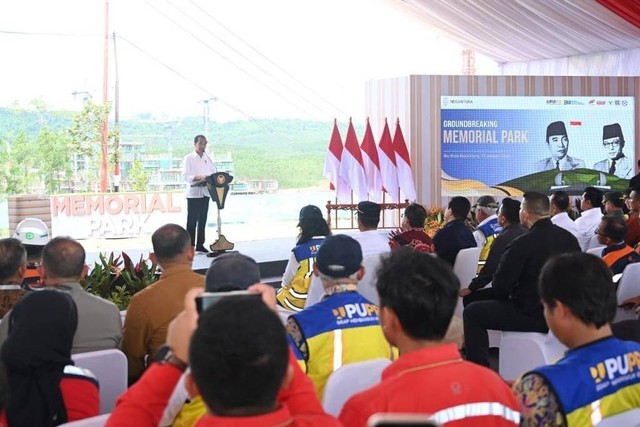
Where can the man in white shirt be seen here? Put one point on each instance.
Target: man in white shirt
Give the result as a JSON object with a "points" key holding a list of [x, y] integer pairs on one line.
{"points": [[196, 167], [558, 209], [370, 239], [591, 206]]}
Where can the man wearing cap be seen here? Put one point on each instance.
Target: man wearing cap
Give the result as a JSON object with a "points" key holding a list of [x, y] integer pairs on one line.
{"points": [[488, 227], [343, 328], [558, 145], [371, 241], [33, 233], [613, 142]]}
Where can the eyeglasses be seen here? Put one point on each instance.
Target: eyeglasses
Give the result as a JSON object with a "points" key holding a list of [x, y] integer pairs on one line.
{"points": [[598, 233], [611, 144]]}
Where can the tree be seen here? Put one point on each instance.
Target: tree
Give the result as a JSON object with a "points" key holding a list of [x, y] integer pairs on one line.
{"points": [[138, 177], [18, 161], [53, 158]]}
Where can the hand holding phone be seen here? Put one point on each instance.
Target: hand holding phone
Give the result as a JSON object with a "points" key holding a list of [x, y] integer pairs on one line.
{"points": [[208, 299]]}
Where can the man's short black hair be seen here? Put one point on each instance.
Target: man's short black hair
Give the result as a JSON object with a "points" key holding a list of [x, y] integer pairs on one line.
{"points": [[561, 200], [615, 198], [421, 290], [536, 203], [510, 209], [13, 255], [169, 241], [594, 196], [460, 207], [239, 355], [63, 257], [583, 283], [231, 272], [613, 228], [197, 137], [416, 214]]}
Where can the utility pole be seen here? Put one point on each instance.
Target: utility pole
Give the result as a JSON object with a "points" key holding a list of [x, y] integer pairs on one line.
{"points": [[116, 125], [105, 97], [205, 113]]}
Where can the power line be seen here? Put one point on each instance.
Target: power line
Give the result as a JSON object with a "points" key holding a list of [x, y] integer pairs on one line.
{"points": [[32, 33], [197, 85], [329, 103], [251, 61], [278, 94]]}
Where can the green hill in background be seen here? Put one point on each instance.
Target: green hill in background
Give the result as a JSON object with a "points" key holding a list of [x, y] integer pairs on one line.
{"points": [[291, 151]]}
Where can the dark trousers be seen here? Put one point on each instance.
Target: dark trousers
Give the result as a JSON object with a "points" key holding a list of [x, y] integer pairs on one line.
{"points": [[197, 210], [501, 315]]}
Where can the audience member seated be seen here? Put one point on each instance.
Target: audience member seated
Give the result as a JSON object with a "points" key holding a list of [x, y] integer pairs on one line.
{"points": [[613, 204], [33, 233], [591, 207], [455, 235], [559, 211], [617, 254], [412, 230], [296, 279], [628, 330], [370, 239], [151, 309], [343, 328], [598, 376], [241, 365], [488, 227], [418, 294], [13, 264], [509, 219], [227, 272], [45, 388], [512, 303], [633, 222], [99, 324]]}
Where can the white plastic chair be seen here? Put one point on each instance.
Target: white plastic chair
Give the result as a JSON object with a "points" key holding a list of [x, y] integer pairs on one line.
{"points": [[98, 421], [350, 379], [522, 351], [628, 419], [367, 286], [597, 251], [465, 268], [110, 367], [628, 287]]}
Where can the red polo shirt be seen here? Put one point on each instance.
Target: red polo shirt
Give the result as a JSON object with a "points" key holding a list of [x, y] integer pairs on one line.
{"points": [[437, 381]]}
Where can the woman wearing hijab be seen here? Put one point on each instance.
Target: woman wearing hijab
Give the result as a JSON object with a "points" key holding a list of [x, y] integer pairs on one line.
{"points": [[45, 388], [297, 275]]}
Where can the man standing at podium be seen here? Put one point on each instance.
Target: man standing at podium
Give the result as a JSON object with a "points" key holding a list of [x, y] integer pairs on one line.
{"points": [[196, 167]]}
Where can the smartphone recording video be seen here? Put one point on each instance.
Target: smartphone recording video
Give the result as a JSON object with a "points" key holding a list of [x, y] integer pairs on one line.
{"points": [[207, 299]]}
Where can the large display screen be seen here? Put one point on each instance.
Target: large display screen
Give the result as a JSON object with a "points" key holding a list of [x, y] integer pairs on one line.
{"points": [[517, 143]]}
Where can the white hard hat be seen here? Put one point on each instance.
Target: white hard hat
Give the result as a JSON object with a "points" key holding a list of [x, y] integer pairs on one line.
{"points": [[32, 231]]}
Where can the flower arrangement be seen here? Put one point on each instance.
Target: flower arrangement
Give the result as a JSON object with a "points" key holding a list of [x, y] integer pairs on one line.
{"points": [[434, 221], [117, 279]]}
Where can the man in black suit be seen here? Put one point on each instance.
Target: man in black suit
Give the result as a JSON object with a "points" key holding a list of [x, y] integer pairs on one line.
{"points": [[517, 306]]}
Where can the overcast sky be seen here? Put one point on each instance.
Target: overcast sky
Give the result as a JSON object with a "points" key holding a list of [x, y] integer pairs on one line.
{"points": [[302, 58]]}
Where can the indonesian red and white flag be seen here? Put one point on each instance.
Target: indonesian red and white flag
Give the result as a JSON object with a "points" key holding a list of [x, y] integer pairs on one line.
{"points": [[403, 163], [351, 165], [371, 165], [332, 166], [388, 164]]}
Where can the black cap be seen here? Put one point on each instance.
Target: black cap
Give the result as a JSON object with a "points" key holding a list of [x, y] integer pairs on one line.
{"points": [[339, 256], [368, 210], [310, 212], [556, 128], [486, 202], [612, 131], [232, 271]]}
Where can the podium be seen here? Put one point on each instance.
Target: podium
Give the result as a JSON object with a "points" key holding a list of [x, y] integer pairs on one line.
{"points": [[218, 186]]}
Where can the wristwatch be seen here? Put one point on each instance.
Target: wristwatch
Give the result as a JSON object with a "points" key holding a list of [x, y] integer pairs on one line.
{"points": [[165, 355]]}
